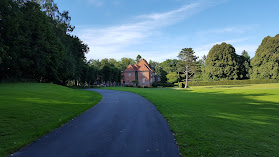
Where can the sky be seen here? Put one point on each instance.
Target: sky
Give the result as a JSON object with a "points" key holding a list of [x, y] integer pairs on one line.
{"points": [[159, 29]]}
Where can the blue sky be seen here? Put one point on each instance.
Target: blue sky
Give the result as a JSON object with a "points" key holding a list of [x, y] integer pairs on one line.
{"points": [[159, 29]]}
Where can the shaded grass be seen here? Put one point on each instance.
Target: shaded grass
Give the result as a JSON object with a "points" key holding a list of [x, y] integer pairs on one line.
{"points": [[220, 120], [30, 110]]}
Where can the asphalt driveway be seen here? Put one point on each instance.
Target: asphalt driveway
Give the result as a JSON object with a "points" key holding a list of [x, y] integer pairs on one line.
{"points": [[123, 124]]}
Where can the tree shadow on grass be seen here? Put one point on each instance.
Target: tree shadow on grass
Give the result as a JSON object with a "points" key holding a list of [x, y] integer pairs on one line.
{"points": [[227, 86], [222, 124]]}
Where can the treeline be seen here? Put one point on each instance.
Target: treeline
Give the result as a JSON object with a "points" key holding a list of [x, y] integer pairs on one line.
{"points": [[35, 43], [222, 63], [108, 71]]}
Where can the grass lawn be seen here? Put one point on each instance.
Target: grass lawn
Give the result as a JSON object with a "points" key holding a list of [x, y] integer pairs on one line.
{"points": [[220, 120], [30, 110]]}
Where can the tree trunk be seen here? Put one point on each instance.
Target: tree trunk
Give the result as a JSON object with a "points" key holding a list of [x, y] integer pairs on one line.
{"points": [[186, 81]]}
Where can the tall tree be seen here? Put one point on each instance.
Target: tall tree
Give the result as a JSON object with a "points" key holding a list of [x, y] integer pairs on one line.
{"points": [[138, 58], [222, 63], [35, 45], [265, 64], [188, 62], [169, 65], [156, 66], [172, 77], [124, 62], [244, 65]]}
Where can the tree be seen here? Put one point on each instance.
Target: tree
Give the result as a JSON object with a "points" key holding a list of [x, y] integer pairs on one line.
{"points": [[172, 77], [124, 62], [245, 54], [106, 73], [34, 44], [169, 65], [156, 67], [222, 63], [114, 63], [265, 64], [244, 65], [138, 58], [188, 62]]}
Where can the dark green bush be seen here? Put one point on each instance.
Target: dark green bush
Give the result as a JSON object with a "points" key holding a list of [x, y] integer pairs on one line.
{"points": [[181, 85], [162, 84], [128, 86], [228, 82]]}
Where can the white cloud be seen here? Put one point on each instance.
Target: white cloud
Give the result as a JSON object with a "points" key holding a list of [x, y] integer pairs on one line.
{"points": [[97, 3], [118, 41], [233, 29]]}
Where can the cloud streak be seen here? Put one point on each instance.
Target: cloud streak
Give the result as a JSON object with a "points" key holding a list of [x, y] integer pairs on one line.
{"points": [[118, 41], [97, 3]]}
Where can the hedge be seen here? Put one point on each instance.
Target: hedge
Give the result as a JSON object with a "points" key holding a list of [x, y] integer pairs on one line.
{"points": [[163, 84], [227, 82]]}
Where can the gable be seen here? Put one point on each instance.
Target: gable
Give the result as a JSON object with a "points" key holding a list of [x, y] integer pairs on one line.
{"points": [[131, 68], [141, 66]]}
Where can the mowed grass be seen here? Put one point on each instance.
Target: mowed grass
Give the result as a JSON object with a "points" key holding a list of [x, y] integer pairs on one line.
{"points": [[220, 120], [30, 110]]}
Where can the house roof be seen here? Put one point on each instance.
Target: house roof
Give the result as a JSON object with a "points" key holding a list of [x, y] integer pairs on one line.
{"points": [[141, 66], [131, 68]]}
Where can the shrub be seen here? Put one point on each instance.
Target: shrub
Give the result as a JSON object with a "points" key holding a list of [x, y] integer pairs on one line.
{"points": [[162, 84], [228, 82], [181, 85]]}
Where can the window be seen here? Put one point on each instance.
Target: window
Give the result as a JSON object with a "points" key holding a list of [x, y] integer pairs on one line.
{"points": [[143, 74], [151, 80], [129, 74], [143, 80]]}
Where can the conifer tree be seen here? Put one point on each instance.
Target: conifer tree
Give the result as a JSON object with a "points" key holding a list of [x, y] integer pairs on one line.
{"points": [[222, 63], [265, 64]]}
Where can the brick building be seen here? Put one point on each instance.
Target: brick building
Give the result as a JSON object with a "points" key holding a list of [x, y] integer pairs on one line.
{"points": [[143, 72]]}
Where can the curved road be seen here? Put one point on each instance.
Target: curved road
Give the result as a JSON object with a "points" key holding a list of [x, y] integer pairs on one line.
{"points": [[123, 124]]}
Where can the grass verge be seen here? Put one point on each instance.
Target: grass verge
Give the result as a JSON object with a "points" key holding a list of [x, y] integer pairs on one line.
{"points": [[240, 120], [29, 111]]}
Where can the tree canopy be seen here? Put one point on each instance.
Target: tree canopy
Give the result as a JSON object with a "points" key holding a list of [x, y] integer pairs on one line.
{"points": [[138, 58], [35, 44], [266, 61], [222, 63], [187, 63]]}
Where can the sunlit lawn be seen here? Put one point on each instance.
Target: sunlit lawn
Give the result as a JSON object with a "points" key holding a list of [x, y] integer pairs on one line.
{"points": [[220, 120], [29, 110]]}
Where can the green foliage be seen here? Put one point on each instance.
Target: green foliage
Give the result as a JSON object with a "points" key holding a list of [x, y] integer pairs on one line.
{"points": [[222, 63], [138, 58], [159, 70], [106, 70], [124, 62], [31, 110], [162, 84], [244, 65], [172, 77], [229, 82], [135, 81], [181, 85], [187, 63], [169, 65], [266, 61], [35, 44]]}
